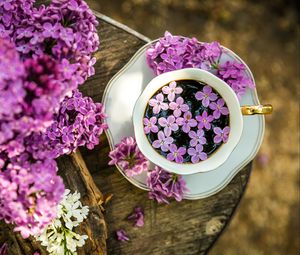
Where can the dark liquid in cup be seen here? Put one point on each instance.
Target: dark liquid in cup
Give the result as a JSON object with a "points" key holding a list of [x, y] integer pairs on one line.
{"points": [[182, 139]]}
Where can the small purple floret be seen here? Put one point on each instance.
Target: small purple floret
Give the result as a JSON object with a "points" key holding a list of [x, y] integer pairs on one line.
{"points": [[122, 236], [172, 90], [178, 107], [206, 96], [197, 137], [176, 154], [219, 108], [187, 122], [168, 124], [197, 153], [221, 134], [204, 120], [158, 103], [137, 217], [163, 142], [150, 125]]}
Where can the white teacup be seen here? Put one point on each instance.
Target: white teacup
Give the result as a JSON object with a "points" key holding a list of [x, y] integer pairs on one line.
{"points": [[235, 117]]}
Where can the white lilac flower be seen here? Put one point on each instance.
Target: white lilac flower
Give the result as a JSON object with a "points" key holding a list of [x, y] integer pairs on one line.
{"points": [[59, 237]]}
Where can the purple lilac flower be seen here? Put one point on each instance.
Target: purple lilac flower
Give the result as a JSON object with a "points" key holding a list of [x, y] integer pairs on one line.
{"points": [[29, 193], [155, 50], [43, 86], [11, 75], [219, 108], [128, 156], [39, 146], [197, 137], [178, 107], [204, 120], [170, 56], [206, 96], [79, 122], [186, 122], [150, 125], [158, 103], [234, 74], [177, 52], [31, 95], [24, 32], [163, 141], [4, 249], [51, 30], [169, 39], [176, 154], [171, 90], [122, 236], [77, 7], [221, 134], [64, 29], [68, 69], [15, 13], [197, 153], [164, 185], [168, 124], [137, 217], [212, 52]]}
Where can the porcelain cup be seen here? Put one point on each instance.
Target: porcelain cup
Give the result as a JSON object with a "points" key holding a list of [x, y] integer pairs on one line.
{"points": [[236, 113]]}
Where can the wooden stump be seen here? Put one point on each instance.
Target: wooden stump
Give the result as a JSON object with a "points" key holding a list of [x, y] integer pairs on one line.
{"points": [[188, 227]]}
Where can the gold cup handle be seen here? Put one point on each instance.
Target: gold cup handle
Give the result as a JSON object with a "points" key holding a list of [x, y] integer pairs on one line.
{"points": [[256, 109]]}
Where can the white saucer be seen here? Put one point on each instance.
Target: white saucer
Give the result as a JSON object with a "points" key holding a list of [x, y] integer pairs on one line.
{"points": [[119, 99]]}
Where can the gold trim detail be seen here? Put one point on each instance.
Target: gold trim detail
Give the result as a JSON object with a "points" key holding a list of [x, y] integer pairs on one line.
{"points": [[257, 109]]}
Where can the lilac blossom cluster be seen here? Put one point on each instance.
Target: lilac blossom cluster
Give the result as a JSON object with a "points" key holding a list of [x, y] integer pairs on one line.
{"points": [[183, 120], [31, 92], [65, 30], [128, 156], [30, 189], [233, 73], [164, 185], [12, 14], [45, 53], [171, 53], [79, 122]]}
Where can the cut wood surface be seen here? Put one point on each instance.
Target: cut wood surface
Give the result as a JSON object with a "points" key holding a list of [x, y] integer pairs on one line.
{"points": [[188, 227]]}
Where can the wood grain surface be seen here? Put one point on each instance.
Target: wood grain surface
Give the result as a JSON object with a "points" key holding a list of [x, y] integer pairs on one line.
{"points": [[189, 227]]}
